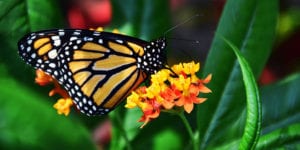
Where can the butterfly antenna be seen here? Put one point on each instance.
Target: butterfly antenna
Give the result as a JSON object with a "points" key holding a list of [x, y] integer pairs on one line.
{"points": [[185, 21], [186, 40]]}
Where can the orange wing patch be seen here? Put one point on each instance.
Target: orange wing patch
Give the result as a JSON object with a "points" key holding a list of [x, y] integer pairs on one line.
{"points": [[42, 46], [77, 65], [81, 77], [38, 43], [119, 48], [103, 92], [137, 49], [79, 54], [131, 84], [44, 49], [90, 85], [112, 62], [94, 46]]}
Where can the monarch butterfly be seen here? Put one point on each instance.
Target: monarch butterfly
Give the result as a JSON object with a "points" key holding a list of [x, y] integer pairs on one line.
{"points": [[97, 69]]}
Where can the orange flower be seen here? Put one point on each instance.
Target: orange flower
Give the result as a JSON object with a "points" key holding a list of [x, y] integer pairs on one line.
{"points": [[169, 90], [169, 95], [190, 96], [42, 78], [58, 90], [62, 105], [151, 112]]}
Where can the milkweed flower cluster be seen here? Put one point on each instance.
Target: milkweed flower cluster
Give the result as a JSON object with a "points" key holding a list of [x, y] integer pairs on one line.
{"points": [[175, 87]]}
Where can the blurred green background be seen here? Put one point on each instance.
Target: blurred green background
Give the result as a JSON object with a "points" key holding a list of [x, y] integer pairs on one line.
{"points": [[267, 33]]}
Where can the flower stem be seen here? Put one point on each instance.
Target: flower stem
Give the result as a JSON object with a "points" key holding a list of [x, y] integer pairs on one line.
{"points": [[122, 130], [189, 129]]}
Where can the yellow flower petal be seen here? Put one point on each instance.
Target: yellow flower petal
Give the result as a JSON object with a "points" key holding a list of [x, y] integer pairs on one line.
{"points": [[177, 68], [63, 106], [132, 100], [160, 77], [153, 90]]}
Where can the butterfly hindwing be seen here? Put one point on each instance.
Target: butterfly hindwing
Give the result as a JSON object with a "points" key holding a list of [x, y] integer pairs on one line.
{"points": [[102, 73]]}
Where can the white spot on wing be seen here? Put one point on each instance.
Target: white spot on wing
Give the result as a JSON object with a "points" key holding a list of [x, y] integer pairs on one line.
{"points": [[61, 33], [52, 65], [55, 73], [87, 39], [56, 37], [28, 49], [29, 42], [52, 54], [33, 55], [39, 61], [73, 38], [57, 43], [96, 33], [139, 59], [78, 41], [119, 41], [76, 33]]}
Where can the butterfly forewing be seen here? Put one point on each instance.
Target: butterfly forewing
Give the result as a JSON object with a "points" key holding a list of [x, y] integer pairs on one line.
{"points": [[98, 69]]}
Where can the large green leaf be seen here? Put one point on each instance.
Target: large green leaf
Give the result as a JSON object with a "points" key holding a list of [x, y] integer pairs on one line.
{"points": [[250, 25], [281, 116], [253, 121], [19, 17], [281, 113], [27, 122]]}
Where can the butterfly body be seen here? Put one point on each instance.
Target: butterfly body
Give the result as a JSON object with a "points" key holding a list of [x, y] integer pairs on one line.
{"points": [[98, 69]]}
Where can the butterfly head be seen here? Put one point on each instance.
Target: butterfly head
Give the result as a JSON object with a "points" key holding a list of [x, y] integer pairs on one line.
{"points": [[160, 43], [154, 57]]}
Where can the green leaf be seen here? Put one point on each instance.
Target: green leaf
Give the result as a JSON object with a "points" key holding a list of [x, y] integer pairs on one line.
{"points": [[281, 103], [287, 137], [281, 113], [250, 25], [19, 17], [142, 18], [253, 121], [28, 122]]}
